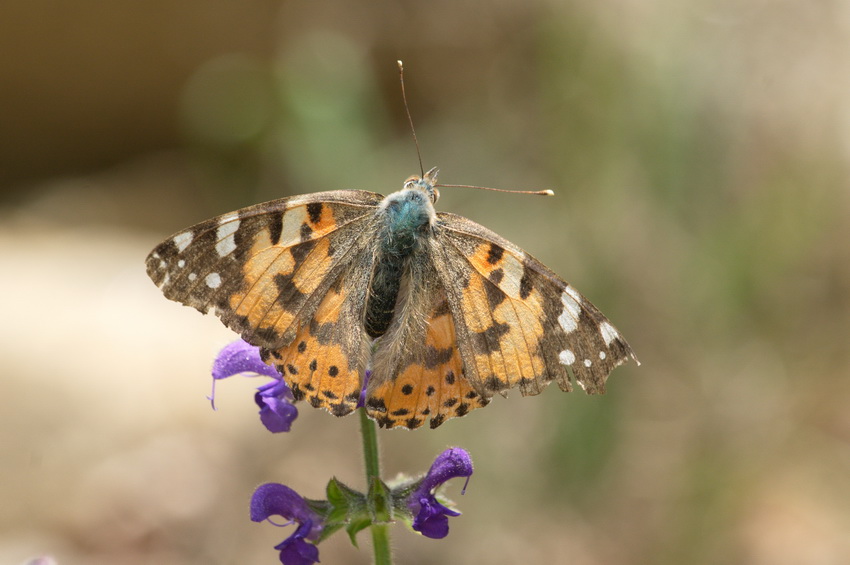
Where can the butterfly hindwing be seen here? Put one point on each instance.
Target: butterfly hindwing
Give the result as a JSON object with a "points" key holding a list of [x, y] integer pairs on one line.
{"points": [[417, 368], [264, 269], [325, 362]]}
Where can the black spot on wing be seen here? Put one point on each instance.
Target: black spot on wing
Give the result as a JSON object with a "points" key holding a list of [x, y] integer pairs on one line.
{"points": [[525, 285], [435, 357], [286, 289], [495, 384], [413, 423], [376, 404], [495, 296], [301, 251], [261, 335], [275, 220], [487, 341], [306, 232], [494, 254], [297, 393], [314, 210]]}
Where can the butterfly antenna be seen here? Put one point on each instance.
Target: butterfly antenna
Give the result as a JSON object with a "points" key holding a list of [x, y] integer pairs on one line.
{"points": [[409, 118], [546, 192]]}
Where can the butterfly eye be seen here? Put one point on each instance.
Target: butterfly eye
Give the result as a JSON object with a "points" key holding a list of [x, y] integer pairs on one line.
{"points": [[435, 195], [411, 182]]}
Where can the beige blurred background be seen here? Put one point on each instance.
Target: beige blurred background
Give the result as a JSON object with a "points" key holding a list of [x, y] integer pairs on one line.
{"points": [[699, 154]]}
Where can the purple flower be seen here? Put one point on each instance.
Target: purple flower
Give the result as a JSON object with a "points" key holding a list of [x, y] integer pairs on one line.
{"points": [[430, 518], [275, 499], [274, 398]]}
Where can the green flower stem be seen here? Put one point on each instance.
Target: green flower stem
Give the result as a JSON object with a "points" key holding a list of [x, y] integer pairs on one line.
{"points": [[380, 532]]}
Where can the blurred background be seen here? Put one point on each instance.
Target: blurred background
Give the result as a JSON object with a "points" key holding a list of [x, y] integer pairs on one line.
{"points": [[699, 154]]}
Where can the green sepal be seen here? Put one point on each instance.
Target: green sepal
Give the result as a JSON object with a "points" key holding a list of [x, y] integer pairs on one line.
{"points": [[344, 506], [357, 525], [380, 502]]}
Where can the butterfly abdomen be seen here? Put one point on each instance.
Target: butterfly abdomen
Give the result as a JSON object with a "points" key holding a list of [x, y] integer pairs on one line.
{"points": [[406, 217]]}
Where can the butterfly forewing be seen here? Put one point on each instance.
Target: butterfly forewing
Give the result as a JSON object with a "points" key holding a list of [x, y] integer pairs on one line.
{"points": [[264, 268], [524, 326]]}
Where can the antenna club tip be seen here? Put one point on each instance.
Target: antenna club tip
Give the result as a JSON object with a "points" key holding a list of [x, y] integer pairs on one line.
{"points": [[400, 64], [547, 192]]}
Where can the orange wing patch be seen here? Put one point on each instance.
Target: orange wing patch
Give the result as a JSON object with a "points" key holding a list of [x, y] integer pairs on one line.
{"points": [[505, 320], [286, 263], [316, 367], [435, 386]]}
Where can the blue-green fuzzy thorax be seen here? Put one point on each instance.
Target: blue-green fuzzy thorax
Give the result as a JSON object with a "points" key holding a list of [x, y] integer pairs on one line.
{"points": [[406, 217]]}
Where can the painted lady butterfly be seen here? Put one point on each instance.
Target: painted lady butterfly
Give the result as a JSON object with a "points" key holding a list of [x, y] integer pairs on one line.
{"points": [[443, 311]]}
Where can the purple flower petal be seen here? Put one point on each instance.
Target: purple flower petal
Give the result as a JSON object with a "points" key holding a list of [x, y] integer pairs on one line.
{"points": [[241, 357], [273, 499], [276, 414], [274, 398], [296, 551], [431, 518]]}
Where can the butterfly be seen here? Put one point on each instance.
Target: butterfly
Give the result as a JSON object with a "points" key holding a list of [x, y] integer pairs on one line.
{"points": [[443, 312]]}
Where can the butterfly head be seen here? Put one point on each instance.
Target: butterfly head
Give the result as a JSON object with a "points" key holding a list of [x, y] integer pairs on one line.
{"points": [[425, 183]]}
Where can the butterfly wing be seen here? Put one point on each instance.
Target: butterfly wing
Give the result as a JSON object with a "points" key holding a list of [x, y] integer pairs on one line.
{"points": [[265, 269], [517, 323]]}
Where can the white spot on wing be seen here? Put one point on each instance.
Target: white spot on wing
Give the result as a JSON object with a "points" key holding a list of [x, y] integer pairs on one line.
{"points": [[567, 357], [608, 332], [225, 235], [290, 226], [182, 240], [587, 363], [192, 276], [181, 263], [213, 280], [602, 355], [569, 315]]}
